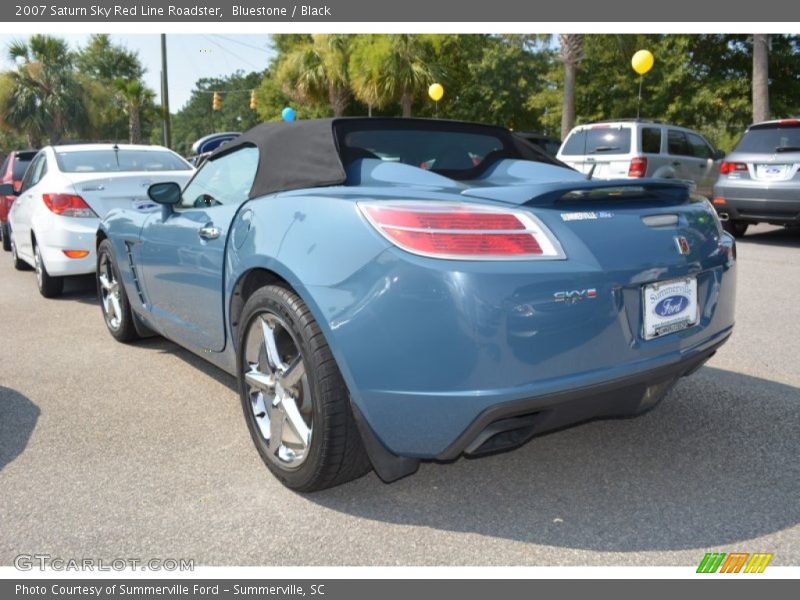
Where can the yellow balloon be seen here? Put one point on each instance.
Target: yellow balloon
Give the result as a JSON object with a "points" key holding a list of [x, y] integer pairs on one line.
{"points": [[436, 91], [642, 61]]}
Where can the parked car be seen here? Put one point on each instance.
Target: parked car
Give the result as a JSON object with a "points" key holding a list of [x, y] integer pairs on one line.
{"points": [[378, 313], [759, 182], [547, 143], [642, 148], [67, 190], [11, 173], [203, 147]]}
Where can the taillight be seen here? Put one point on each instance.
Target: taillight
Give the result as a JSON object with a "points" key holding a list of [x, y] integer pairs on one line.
{"points": [[730, 167], [462, 231], [68, 205], [638, 167]]}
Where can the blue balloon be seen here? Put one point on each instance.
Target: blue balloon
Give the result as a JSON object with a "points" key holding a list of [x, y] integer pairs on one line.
{"points": [[288, 114]]}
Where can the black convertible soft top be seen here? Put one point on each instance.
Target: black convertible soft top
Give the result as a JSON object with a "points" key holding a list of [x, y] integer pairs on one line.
{"points": [[312, 153]]}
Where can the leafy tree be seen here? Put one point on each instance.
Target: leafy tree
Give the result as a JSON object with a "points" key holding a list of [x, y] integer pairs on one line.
{"points": [[490, 79], [197, 119], [103, 60], [44, 98], [316, 70], [137, 98], [121, 105]]}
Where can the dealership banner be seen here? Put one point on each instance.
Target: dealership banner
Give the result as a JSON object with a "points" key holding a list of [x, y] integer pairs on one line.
{"points": [[385, 589], [415, 11]]}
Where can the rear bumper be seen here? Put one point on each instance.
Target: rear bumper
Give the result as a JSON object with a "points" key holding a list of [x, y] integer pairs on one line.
{"points": [[770, 204], [510, 424], [506, 425], [68, 234]]}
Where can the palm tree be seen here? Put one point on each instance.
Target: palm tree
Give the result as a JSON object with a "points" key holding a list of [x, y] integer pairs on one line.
{"points": [[571, 54], [761, 43], [365, 73], [407, 69], [317, 72], [135, 98], [45, 99]]}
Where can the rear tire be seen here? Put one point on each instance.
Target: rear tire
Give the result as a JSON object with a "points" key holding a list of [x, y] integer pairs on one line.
{"points": [[117, 312], [19, 264], [736, 228], [6, 233], [287, 372], [49, 286]]}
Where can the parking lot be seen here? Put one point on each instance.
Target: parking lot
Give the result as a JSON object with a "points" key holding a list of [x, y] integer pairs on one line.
{"points": [[141, 451]]}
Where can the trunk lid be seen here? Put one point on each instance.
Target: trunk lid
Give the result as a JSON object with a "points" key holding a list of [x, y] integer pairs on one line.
{"points": [[106, 191], [619, 226]]}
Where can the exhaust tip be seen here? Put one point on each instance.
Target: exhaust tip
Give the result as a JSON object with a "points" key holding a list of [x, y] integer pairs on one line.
{"points": [[723, 216]]}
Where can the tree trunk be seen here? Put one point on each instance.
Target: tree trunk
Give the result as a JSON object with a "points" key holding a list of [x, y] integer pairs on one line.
{"points": [[56, 129], [134, 125], [571, 54], [338, 98], [568, 103], [760, 77], [406, 100]]}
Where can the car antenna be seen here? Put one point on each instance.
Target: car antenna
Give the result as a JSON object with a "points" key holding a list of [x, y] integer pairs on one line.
{"points": [[591, 171], [115, 148]]}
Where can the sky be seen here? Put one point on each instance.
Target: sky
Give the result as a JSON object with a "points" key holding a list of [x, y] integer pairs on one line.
{"points": [[189, 57]]}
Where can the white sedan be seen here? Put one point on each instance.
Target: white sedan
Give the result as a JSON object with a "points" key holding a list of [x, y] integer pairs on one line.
{"points": [[68, 189]]}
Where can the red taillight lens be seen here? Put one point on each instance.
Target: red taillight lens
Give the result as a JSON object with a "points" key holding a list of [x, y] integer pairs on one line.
{"points": [[730, 167], [456, 219], [68, 205], [461, 231], [638, 167]]}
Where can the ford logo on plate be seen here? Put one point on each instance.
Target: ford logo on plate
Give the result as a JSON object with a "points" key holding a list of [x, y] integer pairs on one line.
{"points": [[671, 305]]}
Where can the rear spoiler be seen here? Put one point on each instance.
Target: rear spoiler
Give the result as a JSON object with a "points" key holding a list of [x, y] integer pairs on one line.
{"points": [[582, 192]]}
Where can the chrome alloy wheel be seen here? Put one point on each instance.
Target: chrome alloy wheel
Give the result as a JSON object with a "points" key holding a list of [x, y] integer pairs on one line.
{"points": [[109, 292], [278, 390]]}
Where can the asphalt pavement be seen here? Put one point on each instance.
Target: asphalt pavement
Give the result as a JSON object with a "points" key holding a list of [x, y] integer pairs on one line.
{"points": [[108, 451]]}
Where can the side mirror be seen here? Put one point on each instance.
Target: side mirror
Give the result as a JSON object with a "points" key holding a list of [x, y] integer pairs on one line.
{"points": [[7, 189], [719, 154], [167, 193]]}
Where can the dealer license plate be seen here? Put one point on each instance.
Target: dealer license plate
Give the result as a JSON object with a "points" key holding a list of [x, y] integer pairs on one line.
{"points": [[669, 306]]}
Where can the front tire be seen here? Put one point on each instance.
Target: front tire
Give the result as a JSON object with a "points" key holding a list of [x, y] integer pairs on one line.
{"points": [[6, 233], [294, 399], [736, 228], [114, 302], [49, 286]]}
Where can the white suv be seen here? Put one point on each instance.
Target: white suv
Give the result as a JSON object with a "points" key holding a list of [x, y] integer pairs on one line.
{"points": [[641, 148]]}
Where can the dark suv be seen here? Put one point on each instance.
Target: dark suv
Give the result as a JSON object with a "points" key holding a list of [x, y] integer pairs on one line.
{"points": [[11, 172], [759, 182]]}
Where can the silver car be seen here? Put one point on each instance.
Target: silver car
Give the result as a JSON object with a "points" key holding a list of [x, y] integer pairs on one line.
{"points": [[642, 148], [759, 182]]}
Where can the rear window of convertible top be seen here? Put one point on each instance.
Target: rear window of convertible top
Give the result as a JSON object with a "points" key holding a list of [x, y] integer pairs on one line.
{"points": [[457, 151]]}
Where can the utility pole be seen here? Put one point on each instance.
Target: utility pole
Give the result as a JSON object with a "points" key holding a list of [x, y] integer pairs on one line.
{"points": [[167, 137]]}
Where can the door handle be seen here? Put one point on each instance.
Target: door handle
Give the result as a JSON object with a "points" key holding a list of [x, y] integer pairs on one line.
{"points": [[209, 232], [676, 163]]}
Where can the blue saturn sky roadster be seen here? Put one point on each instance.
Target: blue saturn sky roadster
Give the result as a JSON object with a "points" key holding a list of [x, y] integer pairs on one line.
{"points": [[388, 291]]}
